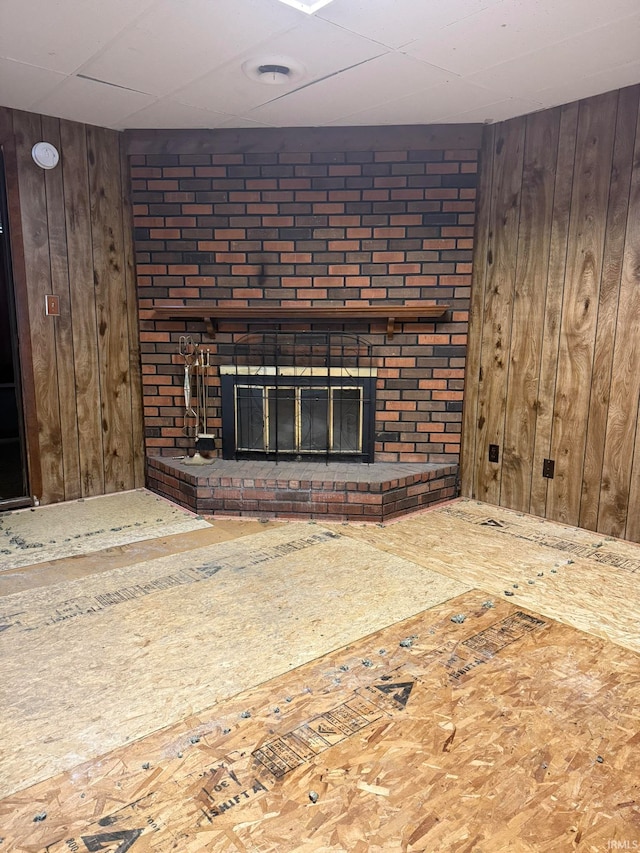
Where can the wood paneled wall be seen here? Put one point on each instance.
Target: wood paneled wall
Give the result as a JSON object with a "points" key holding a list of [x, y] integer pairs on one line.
{"points": [[553, 369], [71, 236]]}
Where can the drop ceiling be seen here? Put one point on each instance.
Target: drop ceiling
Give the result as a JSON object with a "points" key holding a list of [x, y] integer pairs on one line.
{"points": [[189, 63]]}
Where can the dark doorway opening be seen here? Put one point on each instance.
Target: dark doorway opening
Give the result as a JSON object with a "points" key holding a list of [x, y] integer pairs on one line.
{"points": [[14, 480]]}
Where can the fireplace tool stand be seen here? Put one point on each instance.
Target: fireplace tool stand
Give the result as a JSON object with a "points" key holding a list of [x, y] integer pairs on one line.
{"points": [[197, 368]]}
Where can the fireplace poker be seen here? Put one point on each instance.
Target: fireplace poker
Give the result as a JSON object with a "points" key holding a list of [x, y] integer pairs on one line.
{"points": [[188, 351], [205, 440]]}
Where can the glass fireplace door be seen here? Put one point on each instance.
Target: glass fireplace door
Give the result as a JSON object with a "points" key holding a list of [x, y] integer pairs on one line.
{"points": [[299, 420]]}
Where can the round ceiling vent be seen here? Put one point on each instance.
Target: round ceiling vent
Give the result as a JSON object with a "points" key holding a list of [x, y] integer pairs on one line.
{"points": [[274, 75], [274, 70]]}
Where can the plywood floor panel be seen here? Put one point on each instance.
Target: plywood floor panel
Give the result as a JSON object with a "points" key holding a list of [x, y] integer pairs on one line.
{"points": [[480, 736], [78, 527], [513, 729], [119, 556], [575, 576], [91, 663]]}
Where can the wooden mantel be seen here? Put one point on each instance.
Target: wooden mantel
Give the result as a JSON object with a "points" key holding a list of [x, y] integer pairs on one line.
{"points": [[215, 314]]}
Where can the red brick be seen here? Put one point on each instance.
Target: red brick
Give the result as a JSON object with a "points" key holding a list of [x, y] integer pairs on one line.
{"points": [[391, 156], [371, 267], [205, 209]]}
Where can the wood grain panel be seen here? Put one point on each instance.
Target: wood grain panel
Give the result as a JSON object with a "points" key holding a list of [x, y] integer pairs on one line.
{"points": [[111, 307], [6, 124], [130, 285], [529, 306], [585, 415], [28, 131], [632, 530], [83, 308], [476, 317], [592, 173], [558, 246], [601, 385], [622, 422], [62, 325], [60, 222], [19, 275], [504, 217]]}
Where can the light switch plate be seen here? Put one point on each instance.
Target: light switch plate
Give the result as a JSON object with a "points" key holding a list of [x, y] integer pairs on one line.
{"points": [[52, 305]]}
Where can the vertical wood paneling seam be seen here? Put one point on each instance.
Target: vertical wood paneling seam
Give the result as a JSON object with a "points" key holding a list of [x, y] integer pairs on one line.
{"points": [[81, 295], [504, 216], [482, 315], [513, 299], [610, 293], [125, 272], [130, 295], [564, 284], [596, 137], [602, 273], [54, 320], [95, 309], [490, 212], [637, 433], [25, 347], [546, 300], [111, 304], [558, 250], [63, 332], [72, 341], [633, 456], [476, 323], [615, 333], [36, 241]]}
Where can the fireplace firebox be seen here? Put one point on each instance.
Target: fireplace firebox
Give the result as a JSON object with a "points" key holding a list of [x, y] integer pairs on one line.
{"points": [[296, 395]]}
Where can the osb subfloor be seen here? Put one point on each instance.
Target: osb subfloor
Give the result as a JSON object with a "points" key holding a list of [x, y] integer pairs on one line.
{"points": [[164, 638], [47, 533], [513, 729]]}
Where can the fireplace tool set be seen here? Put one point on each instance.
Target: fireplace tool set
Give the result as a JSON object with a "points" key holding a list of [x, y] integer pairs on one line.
{"points": [[197, 369]]}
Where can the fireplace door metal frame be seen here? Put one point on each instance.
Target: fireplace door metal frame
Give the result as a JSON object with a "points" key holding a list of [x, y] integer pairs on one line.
{"points": [[270, 435], [262, 430], [276, 364]]}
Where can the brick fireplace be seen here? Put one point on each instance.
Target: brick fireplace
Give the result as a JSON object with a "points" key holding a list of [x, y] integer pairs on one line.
{"points": [[313, 219]]}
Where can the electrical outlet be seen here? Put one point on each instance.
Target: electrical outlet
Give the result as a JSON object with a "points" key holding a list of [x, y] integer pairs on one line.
{"points": [[548, 468], [52, 305], [494, 453]]}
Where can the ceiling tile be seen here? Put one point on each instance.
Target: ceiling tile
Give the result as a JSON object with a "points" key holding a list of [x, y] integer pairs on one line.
{"points": [[582, 55], [183, 58], [92, 103], [403, 21], [323, 48], [22, 85], [565, 91], [510, 29], [236, 122], [425, 107], [378, 81], [179, 40], [229, 90], [167, 113], [62, 35], [498, 111]]}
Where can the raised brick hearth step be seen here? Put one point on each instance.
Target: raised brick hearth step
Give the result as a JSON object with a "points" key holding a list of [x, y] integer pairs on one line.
{"points": [[336, 491]]}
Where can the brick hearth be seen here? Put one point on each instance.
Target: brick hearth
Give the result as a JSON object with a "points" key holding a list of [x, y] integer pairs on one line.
{"points": [[336, 491]]}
